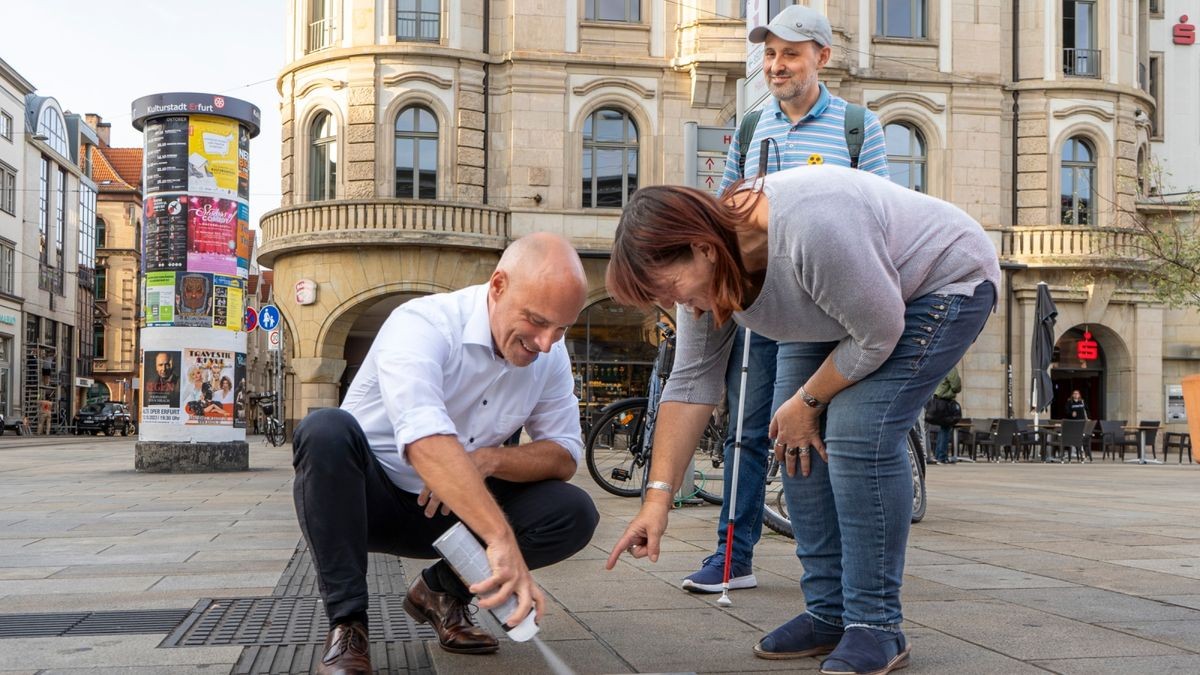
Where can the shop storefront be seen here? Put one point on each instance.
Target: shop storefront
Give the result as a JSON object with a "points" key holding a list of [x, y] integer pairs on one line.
{"points": [[612, 352]]}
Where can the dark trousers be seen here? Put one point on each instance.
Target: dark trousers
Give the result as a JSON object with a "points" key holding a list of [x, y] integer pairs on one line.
{"points": [[347, 507]]}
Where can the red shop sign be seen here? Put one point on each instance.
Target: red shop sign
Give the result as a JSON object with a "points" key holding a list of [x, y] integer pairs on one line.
{"points": [[1184, 33], [1087, 349]]}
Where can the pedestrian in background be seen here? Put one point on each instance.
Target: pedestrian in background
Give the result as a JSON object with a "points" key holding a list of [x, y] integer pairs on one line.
{"points": [[808, 125], [45, 414], [945, 412], [1076, 406]]}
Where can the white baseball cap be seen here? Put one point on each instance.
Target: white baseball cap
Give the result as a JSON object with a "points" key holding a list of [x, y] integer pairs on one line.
{"points": [[796, 24]]}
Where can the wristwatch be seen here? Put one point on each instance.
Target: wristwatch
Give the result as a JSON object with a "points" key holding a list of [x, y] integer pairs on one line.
{"points": [[810, 400]]}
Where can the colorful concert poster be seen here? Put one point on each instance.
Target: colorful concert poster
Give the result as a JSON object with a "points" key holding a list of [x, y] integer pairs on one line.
{"points": [[193, 300], [212, 235], [213, 156], [208, 396], [160, 298], [164, 243], [228, 309]]}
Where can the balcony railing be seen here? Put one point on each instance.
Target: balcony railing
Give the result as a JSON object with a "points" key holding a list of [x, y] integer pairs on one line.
{"points": [[1070, 246], [1081, 62], [376, 222], [320, 35]]}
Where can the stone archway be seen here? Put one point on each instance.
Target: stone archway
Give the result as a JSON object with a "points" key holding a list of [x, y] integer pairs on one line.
{"points": [[361, 334], [1106, 382]]}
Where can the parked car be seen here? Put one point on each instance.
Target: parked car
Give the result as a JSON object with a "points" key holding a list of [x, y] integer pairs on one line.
{"points": [[108, 417]]}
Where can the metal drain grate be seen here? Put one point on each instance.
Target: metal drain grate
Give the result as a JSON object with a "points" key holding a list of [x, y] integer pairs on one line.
{"points": [[286, 620], [385, 576], [90, 623], [386, 657]]}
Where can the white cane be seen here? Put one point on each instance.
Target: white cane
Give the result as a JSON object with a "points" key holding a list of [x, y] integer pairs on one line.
{"points": [[724, 600]]}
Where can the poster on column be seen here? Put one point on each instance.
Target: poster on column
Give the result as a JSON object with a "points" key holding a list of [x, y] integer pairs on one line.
{"points": [[160, 372], [213, 156], [193, 299], [239, 391], [208, 391], [160, 298], [245, 240], [166, 233], [166, 160], [228, 311], [212, 236], [243, 191]]}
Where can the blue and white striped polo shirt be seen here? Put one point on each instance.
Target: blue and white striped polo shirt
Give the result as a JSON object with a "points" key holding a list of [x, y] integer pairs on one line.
{"points": [[821, 132]]}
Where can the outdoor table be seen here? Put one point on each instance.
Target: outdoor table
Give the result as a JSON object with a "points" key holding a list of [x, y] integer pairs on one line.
{"points": [[1042, 432], [1141, 458], [961, 424]]}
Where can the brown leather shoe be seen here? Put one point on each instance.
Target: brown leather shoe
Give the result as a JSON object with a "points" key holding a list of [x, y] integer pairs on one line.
{"points": [[450, 617], [347, 651]]}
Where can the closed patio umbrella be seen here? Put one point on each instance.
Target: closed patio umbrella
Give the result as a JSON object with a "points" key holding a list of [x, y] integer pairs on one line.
{"points": [[1045, 315]]}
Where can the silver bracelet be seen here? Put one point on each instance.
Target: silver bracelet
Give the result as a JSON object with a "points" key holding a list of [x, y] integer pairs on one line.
{"points": [[660, 485]]}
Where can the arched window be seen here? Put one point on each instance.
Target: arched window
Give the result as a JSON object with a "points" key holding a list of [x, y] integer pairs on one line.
{"points": [[610, 158], [416, 153], [51, 126], [418, 20], [322, 157], [906, 156], [1078, 175]]}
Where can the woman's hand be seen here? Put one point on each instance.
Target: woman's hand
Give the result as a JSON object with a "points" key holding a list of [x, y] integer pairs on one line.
{"points": [[644, 534], [796, 429]]}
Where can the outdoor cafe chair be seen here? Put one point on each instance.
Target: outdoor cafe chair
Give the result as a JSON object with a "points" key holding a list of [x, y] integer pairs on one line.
{"points": [[1002, 442], [1129, 439], [1179, 441], [1075, 436], [981, 429], [1112, 432]]}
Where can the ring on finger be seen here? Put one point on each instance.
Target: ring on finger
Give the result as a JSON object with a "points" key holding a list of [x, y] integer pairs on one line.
{"points": [[792, 452], [804, 452]]}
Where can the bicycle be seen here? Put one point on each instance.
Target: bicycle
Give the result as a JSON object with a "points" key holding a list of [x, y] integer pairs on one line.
{"points": [[274, 431], [618, 449], [775, 513]]}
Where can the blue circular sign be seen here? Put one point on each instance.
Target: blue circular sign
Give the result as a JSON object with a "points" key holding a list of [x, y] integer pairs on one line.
{"points": [[268, 317]]}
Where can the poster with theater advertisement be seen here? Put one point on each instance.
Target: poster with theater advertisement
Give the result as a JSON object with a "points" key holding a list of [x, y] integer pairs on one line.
{"points": [[245, 239], [208, 396], [160, 373], [212, 235], [243, 190], [193, 299], [164, 245], [228, 307], [213, 156], [239, 391]]}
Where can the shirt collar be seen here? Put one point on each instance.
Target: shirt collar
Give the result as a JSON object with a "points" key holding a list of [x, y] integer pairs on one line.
{"points": [[818, 108], [478, 330]]}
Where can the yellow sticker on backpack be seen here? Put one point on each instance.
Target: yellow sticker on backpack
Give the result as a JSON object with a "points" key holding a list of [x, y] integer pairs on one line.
{"points": [[816, 159]]}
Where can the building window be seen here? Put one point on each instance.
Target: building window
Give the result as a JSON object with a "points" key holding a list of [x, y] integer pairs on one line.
{"points": [[418, 20], [776, 6], [60, 217], [87, 226], [8, 189], [98, 340], [610, 158], [320, 25], [44, 211], [1156, 92], [900, 18], [416, 153], [628, 11], [1141, 172], [51, 126], [906, 156], [101, 233], [1078, 175], [1080, 56], [6, 126], [101, 283], [1155, 10], [8, 268], [322, 157]]}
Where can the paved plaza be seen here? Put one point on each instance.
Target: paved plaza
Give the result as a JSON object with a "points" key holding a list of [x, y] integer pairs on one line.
{"points": [[1017, 568]]}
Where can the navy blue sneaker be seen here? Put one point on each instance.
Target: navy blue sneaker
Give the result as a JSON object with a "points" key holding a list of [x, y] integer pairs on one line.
{"points": [[868, 651], [712, 570], [800, 637]]}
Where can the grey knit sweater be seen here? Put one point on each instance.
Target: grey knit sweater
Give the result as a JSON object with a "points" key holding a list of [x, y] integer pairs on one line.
{"points": [[846, 251]]}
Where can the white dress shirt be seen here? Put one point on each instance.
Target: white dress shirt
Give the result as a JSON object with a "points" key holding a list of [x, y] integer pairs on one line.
{"points": [[433, 370]]}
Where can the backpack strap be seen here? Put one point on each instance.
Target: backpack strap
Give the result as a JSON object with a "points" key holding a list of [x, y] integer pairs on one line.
{"points": [[745, 135], [855, 118]]}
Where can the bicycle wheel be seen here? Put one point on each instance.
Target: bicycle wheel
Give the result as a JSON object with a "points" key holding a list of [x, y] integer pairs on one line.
{"points": [[916, 461], [614, 446], [274, 433], [708, 472], [775, 513]]}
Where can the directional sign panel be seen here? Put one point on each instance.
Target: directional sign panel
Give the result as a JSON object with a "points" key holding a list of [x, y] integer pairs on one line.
{"points": [[712, 144], [268, 318]]}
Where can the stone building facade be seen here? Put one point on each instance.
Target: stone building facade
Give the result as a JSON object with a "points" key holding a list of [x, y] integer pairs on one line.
{"points": [[420, 137]]}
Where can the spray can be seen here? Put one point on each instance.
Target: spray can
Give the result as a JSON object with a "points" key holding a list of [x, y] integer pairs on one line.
{"points": [[462, 550]]}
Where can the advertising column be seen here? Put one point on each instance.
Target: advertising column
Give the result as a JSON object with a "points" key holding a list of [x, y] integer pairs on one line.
{"points": [[196, 244]]}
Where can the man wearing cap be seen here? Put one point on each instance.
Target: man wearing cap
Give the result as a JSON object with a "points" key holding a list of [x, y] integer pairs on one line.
{"points": [[806, 125]]}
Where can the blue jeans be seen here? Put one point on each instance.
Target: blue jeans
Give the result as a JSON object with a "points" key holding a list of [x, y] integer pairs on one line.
{"points": [[752, 476], [851, 516], [942, 450]]}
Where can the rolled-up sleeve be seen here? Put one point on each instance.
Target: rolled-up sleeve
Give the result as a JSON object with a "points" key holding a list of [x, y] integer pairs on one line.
{"points": [[411, 361], [555, 417]]}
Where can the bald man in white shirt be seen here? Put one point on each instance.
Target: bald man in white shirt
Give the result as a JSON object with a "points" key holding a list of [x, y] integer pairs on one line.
{"points": [[417, 445]]}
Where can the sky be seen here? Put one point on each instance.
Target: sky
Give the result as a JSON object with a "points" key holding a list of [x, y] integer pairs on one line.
{"points": [[98, 56]]}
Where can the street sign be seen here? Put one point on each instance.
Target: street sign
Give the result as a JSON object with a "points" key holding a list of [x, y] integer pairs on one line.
{"points": [[268, 317], [251, 319], [712, 144], [273, 339]]}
